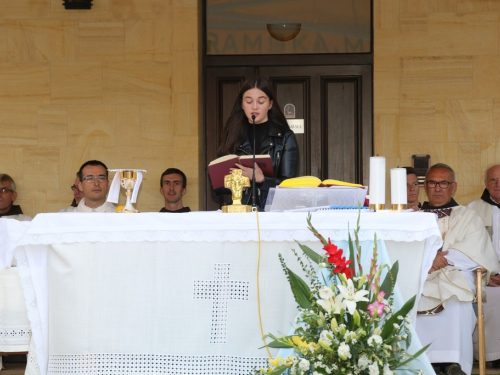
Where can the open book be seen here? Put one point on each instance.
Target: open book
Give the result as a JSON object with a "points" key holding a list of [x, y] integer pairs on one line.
{"points": [[219, 167], [311, 181]]}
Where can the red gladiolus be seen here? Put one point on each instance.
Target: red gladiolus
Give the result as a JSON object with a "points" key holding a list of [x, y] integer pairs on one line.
{"points": [[335, 257]]}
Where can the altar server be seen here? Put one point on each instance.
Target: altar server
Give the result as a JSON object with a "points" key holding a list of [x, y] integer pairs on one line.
{"points": [[446, 317], [173, 186]]}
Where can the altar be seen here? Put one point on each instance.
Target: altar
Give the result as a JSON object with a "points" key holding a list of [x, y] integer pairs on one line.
{"points": [[184, 293]]}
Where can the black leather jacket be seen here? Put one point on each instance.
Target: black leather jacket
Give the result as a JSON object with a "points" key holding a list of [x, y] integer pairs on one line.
{"points": [[284, 152]]}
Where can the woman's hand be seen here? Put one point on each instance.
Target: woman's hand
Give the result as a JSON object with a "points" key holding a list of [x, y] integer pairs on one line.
{"points": [[247, 172]]}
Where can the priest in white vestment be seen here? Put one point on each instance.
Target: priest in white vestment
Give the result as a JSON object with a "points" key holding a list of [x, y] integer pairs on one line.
{"points": [[488, 208], [446, 317], [94, 183]]}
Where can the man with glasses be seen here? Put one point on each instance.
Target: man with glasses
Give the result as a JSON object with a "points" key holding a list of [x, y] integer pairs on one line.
{"points": [[488, 209], [77, 196], [446, 317], [93, 183], [8, 195]]}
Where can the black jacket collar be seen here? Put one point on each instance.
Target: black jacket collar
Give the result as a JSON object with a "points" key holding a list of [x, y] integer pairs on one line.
{"points": [[487, 198], [14, 210]]}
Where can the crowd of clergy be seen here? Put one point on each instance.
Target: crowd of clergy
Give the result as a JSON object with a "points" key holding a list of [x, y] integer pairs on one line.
{"points": [[471, 240]]}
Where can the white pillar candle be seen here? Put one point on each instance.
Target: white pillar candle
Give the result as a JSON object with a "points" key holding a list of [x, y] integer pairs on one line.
{"points": [[377, 180], [398, 186]]}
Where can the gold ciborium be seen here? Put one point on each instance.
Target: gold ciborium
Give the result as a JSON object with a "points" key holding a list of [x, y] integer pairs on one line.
{"points": [[128, 180]]}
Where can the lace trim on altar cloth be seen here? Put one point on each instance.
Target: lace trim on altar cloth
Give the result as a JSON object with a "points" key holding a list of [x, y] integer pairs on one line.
{"points": [[223, 236], [14, 335], [128, 364]]}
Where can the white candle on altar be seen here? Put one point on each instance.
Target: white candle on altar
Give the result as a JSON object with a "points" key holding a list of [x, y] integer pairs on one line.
{"points": [[398, 186], [377, 180]]}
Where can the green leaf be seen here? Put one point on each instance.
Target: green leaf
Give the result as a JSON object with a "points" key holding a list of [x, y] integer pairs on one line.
{"points": [[279, 370], [300, 290], [414, 356], [314, 256], [389, 325], [390, 280]]}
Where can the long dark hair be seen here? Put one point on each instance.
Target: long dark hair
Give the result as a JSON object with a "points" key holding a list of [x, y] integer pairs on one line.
{"points": [[235, 130]]}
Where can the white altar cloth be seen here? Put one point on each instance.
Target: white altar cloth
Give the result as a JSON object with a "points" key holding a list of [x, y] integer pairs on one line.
{"points": [[114, 293]]}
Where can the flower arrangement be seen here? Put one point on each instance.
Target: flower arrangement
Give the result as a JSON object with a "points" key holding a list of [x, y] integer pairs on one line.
{"points": [[346, 322]]}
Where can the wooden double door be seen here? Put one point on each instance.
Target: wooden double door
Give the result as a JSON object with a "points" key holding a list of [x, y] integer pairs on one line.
{"points": [[334, 102]]}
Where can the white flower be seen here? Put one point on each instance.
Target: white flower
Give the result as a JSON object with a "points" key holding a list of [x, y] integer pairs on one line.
{"points": [[323, 336], [363, 362], [344, 351], [408, 319], [373, 369], [374, 339], [396, 326], [387, 370], [304, 364], [331, 304], [326, 293], [351, 296]]}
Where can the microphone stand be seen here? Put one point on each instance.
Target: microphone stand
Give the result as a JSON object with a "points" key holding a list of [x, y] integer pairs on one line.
{"points": [[254, 205]]}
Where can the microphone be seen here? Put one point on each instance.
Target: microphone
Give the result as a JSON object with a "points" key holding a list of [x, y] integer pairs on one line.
{"points": [[254, 205]]}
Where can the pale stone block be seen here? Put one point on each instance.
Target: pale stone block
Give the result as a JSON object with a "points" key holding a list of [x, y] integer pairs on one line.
{"points": [[387, 53], [32, 201], [436, 77], [185, 117], [91, 125], [387, 85], [185, 29], [59, 199], [386, 135], [473, 118], [76, 83], [128, 125], [42, 40], [448, 153], [469, 166], [14, 166], [185, 77], [156, 125], [417, 147], [453, 34], [24, 83], [33, 9], [486, 76], [417, 118], [467, 6], [468, 193], [148, 39], [496, 121], [184, 160], [41, 167], [386, 14], [414, 37], [137, 82], [18, 125], [490, 155], [410, 9], [3, 41], [101, 40], [442, 6], [185, 3], [52, 121], [446, 131], [140, 8]]}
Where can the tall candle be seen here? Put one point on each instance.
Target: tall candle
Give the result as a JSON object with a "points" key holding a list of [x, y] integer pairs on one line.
{"points": [[398, 186], [377, 180]]}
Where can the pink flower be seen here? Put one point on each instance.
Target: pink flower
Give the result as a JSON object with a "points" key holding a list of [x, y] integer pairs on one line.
{"points": [[376, 309]]}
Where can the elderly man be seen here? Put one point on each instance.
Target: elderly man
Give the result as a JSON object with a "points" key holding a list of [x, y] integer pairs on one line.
{"points": [[488, 208], [93, 183], [446, 318], [173, 184], [8, 195]]}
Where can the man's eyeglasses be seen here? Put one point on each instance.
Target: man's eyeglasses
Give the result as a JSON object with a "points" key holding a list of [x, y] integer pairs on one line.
{"points": [[91, 179], [74, 187], [442, 184], [4, 190], [492, 180]]}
